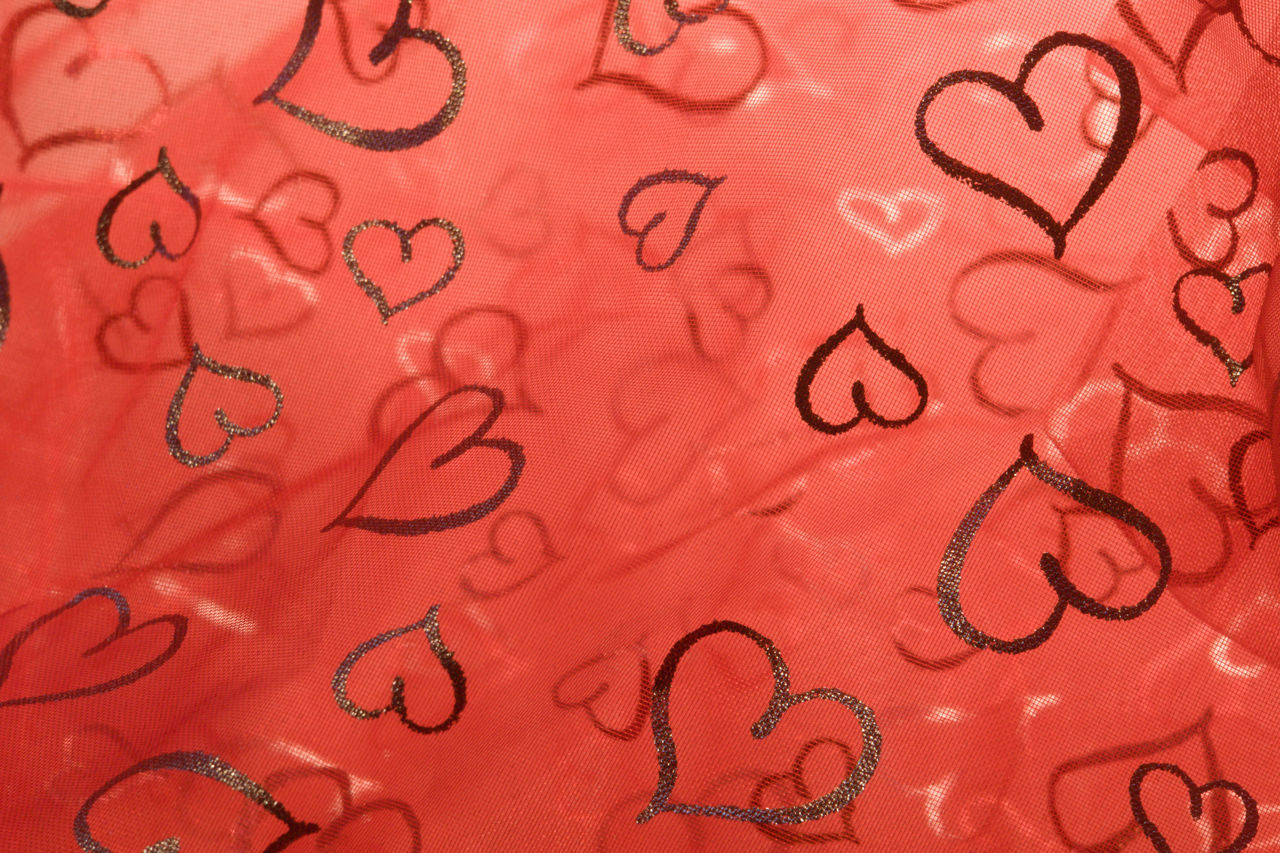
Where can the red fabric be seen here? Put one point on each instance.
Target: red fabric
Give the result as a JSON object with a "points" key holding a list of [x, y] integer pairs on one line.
{"points": [[732, 330]]}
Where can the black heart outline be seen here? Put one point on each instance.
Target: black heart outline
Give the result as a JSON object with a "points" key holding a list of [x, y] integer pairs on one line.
{"points": [[69, 8], [176, 621], [587, 704], [230, 427], [1069, 595], [406, 255], [779, 703], [430, 625], [1126, 132], [419, 526], [1247, 832], [131, 315], [814, 363], [666, 176], [796, 777], [1235, 369], [622, 25], [4, 296], [373, 140], [165, 169], [209, 766]]}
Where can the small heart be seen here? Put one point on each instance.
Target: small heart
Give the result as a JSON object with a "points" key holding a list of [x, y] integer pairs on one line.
{"points": [[419, 526], [895, 358], [498, 554], [165, 169], [667, 176], [374, 140], [385, 310], [516, 220], [133, 341], [785, 835], [1015, 91], [1196, 793], [1232, 283], [295, 194], [279, 302], [783, 699], [202, 764], [74, 69], [667, 97], [1235, 476], [588, 702], [891, 226], [1069, 595], [176, 622], [431, 627], [233, 430]]}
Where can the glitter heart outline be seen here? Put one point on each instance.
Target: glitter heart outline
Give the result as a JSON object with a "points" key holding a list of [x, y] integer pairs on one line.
{"points": [[781, 701], [165, 169], [430, 626], [1196, 793], [1235, 369], [373, 140], [176, 621], [232, 429], [372, 290], [202, 764], [1126, 132]]}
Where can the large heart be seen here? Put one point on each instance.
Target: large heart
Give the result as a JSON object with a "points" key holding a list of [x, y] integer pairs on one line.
{"points": [[1232, 283], [783, 700], [419, 526], [1196, 792], [430, 626], [176, 622], [1015, 91], [374, 292], [374, 140]]}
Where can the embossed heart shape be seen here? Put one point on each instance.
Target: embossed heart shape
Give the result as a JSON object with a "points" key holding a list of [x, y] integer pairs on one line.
{"points": [[176, 622], [373, 291], [263, 300], [1248, 513], [430, 626], [1196, 792], [130, 341], [74, 69], [607, 36], [1232, 283], [782, 700], [897, 213], [498, 555], [604, 663], [309, 198], [1015, 91]]}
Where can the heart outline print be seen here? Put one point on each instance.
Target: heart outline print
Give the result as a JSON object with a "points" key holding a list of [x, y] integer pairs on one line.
{"points": [[430, 626], [781, 701], [1015, 91]]}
